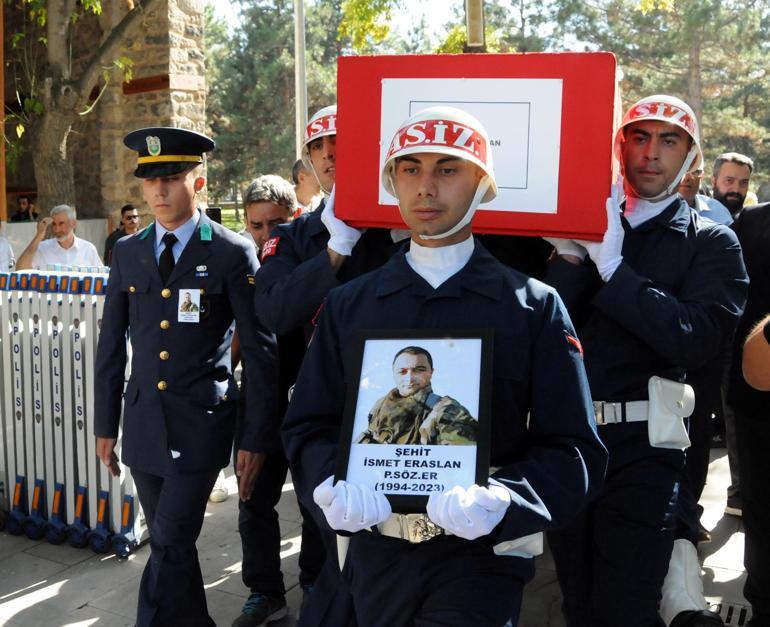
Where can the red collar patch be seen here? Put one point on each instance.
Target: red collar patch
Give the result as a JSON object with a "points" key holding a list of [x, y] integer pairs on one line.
{"points": [[575, 342], [270, 248]]}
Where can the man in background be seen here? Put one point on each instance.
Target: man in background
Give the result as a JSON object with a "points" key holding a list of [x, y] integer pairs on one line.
{"points": [[269, 201], [25, 210], [64, 248], [306, 187], [730, 178], [129, 224]]}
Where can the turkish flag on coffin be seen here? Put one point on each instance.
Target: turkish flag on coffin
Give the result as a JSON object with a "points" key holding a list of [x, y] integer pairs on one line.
{"points": [[550, 119]]}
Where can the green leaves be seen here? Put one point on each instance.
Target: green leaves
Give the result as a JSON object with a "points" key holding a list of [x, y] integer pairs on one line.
{"points": [[366, 22]]}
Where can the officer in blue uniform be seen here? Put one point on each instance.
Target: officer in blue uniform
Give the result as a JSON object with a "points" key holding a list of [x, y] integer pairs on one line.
{"points": [[551, 460], [658, 298], [180, 401]]}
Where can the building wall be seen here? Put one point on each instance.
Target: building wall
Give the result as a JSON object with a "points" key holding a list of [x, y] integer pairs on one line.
{"points": [[172, 45]]}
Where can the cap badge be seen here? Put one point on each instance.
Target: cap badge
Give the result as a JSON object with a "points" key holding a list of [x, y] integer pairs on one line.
{"points": [[153, 145]]}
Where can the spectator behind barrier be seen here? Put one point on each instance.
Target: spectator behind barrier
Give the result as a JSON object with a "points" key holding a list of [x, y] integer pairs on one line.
{"points": [[130, 222], [64, 248]]}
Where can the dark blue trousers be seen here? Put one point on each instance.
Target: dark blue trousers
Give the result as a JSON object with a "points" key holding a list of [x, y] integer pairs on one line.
{"points": [[445, 581], [753, 439], [261, 534], [171, 591], [611, 561]]}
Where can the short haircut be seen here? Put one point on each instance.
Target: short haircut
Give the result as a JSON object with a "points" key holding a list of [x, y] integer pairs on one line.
{"points": [[732, 157], [20, 196], [299, 166], [414, 350], [271, 188], [70, 211], [126, 208]]}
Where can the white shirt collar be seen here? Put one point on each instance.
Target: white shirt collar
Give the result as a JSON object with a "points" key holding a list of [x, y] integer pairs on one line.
{"points": [[436, 265], [638, 210]]}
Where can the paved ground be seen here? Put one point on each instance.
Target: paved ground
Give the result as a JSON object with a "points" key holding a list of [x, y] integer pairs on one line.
{"points": [[57, 586]]}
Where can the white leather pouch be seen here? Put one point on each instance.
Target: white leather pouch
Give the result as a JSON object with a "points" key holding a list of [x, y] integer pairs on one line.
{"points": [[670, 403]]}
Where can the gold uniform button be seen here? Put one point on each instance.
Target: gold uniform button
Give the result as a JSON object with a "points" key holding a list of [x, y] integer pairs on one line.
{"points": [[162, 385], [164, 355], [131, 289], [165, 293], [224, 397], [165, 324]]}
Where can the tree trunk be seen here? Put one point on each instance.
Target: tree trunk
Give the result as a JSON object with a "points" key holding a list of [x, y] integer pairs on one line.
{"points": [[53, 170], [694, 87]]}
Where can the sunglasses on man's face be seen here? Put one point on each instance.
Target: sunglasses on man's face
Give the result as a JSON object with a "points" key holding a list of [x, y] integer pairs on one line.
{"points": [[131, 217]]}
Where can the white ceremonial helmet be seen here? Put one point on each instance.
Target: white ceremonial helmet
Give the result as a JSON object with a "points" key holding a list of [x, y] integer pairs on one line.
{"points": [[447, 131], [323, 123], [674, 111]]}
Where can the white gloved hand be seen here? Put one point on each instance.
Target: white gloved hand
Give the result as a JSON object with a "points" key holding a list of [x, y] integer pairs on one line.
{"points": [[608, 254], [351, 507], [470, 513], [567, 247], [342, 238]]}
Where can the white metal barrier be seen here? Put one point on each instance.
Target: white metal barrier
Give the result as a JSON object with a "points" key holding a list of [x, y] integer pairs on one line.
{"points": [[51, 482]]}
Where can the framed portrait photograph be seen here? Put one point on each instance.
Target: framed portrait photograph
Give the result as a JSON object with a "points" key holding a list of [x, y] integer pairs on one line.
{"points": [[418, 420]]}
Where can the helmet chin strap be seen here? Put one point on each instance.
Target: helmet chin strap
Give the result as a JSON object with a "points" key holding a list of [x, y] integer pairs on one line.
{"points": [[325, 191], [674, 185], [481, 190]]}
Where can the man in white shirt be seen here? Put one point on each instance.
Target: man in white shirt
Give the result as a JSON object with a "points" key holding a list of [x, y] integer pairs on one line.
{"points": [[64, 248], [6, 254]]}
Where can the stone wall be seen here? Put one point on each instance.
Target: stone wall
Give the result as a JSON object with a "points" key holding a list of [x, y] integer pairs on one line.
{"points": [[171, 44]]}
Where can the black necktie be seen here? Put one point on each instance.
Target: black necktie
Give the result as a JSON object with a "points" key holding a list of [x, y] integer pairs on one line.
{"points": [[166, 261]]}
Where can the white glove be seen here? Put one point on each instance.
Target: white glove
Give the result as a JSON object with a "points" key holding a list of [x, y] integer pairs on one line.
{"points": [[567, 247], [607, 254], [351, 507], [342, 237], [470, 513]]}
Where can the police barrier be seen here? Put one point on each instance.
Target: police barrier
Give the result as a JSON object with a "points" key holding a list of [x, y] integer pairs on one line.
{"points": [[51, 482]]}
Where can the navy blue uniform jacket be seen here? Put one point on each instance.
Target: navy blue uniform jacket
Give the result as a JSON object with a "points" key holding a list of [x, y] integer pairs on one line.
{"points": [[552, 466], [669, 308], [195, 414], [293, 282], [753, 229]]}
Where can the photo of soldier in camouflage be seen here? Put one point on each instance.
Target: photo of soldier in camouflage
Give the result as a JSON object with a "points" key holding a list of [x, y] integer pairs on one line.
{"points": [[411, 413]]}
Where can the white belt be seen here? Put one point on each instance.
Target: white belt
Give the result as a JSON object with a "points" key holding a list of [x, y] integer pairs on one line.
{"points": [[614, 413], [418, 528]]}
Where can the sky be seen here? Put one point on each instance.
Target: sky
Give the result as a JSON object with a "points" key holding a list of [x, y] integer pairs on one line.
{"points": [[439, 12]]}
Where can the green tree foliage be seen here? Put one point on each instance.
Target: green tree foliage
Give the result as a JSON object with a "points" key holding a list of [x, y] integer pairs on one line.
{"points": [[711, 53], [251, 87], [52, 89]]}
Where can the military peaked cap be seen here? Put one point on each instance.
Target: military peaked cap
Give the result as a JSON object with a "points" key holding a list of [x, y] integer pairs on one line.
{"points": [[164, 151]]}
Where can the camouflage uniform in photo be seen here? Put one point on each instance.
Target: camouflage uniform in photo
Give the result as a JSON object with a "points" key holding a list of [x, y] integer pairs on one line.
{"points": [[422, 418]]}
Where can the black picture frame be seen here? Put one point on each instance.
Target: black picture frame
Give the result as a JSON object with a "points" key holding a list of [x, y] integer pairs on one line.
{"points": [[416, 503]]}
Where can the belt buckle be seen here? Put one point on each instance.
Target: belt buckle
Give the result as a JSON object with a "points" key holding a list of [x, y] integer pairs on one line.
{"points": [[419, 528], [608, 413], [599, 412]]}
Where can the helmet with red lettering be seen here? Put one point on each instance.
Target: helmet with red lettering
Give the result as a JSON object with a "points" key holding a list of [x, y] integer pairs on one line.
{"points": [[444, 130], [448, 131], [671, 110], [322, 124]]}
